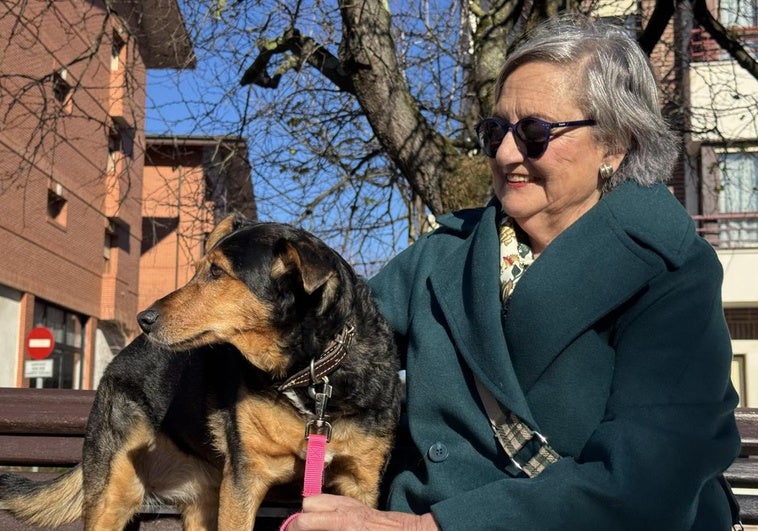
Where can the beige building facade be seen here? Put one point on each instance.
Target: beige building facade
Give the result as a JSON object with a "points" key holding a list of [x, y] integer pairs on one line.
{"points": [[717, 178]]}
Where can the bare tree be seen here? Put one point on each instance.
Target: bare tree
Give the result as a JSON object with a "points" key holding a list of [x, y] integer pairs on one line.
{"points": [[414, 81], [359, 114]]}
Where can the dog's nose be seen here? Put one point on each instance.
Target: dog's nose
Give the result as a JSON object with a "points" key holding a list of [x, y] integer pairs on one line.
{"points": [[147, 319]]}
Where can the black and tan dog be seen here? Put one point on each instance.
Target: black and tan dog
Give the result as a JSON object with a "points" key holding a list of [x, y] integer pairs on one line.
{"points": [[207, 409]]}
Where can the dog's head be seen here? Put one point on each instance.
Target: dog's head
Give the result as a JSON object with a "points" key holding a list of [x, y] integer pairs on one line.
{"points": [[258, 287]]}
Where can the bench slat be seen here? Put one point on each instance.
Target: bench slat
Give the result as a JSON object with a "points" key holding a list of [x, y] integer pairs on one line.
{"points": [[747, 422], [743, 473], [44, 411], [37, 450], [748, 508]]}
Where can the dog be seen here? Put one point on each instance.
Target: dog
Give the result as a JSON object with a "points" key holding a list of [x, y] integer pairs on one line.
{"points": [[208, 408]]}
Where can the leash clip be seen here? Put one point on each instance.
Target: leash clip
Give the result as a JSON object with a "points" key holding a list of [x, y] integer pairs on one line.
{"points": [[321, 398]]}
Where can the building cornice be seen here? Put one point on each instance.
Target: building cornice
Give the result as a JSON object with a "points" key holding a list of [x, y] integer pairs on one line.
{"points": [[159, 28]]}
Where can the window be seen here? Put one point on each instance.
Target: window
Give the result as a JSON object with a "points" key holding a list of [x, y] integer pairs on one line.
{"points": [[57, 206], [62, 89], [120, 146], [738, 198], [118, 47], [738, 13], [739, 378], [742, 322], [114, 149], [109, 242], [68, 329]]}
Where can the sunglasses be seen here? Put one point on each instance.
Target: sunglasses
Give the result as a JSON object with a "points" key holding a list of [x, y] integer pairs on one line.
{"points": [[533, 133]]}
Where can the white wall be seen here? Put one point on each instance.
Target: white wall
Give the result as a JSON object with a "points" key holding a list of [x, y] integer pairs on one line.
{"points": [[103, 356], [740, 288], [10, 318], [723, 96], [745, 370]]}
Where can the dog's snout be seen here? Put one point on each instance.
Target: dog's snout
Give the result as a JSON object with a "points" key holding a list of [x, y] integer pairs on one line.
{"points": [[147, 319]]}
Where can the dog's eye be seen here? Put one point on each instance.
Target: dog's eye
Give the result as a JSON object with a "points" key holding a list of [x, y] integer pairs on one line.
{"points": [[216, 271]]}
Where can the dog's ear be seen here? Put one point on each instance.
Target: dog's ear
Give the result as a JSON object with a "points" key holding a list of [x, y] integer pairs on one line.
{"points": [[313, 267], [226, 226], [238, 220]]}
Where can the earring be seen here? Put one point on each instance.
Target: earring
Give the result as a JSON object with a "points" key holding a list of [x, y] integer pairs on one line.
{"points": [[606, 171]]}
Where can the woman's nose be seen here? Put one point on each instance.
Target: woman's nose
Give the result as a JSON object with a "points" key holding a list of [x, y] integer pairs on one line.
{"points": [[508, 151]]}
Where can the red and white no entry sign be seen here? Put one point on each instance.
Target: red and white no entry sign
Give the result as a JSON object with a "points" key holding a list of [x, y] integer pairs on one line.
{"points": [[40, 342]]}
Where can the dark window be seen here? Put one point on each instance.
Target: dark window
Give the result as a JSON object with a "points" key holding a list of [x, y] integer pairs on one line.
{"points": [[56, 206], [61, 89], [68, 354]]}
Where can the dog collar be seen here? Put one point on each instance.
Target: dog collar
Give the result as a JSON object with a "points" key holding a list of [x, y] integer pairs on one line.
{"points": [[334, 353]]}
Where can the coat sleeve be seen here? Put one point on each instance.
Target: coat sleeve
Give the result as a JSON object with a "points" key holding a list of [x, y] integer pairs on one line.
{"points": [[392, 289], [667, 432]]}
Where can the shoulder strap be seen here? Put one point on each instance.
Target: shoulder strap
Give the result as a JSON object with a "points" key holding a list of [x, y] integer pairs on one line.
{"points": [[734, 505], [516, 437]]}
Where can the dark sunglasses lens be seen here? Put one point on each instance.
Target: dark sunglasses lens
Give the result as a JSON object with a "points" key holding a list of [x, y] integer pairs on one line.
{"points": [[535, 134], [490, 135]]}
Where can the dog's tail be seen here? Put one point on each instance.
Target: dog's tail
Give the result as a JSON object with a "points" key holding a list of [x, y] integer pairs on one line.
{"points": [[45, 503]]}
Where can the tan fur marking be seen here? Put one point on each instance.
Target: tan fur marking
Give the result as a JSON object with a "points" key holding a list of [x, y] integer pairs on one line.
{"points": [[236, 511], [312, 276], [359, 461], [223, 228], [122, 497], [150, 466], [285, 262], [271, 436], [274, 449], [56, 504], [202, 516]]}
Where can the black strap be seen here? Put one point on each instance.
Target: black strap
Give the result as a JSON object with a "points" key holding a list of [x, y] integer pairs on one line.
{"points": [[734, 505]]}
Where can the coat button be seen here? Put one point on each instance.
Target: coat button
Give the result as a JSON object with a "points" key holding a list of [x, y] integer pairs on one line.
{"points": [[438, 452]]}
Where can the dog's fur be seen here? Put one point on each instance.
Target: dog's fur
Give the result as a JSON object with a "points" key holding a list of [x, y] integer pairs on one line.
{"points": [[189, 413]]}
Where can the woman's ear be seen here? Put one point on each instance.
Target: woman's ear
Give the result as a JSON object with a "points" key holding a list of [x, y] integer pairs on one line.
{"points": [[614, 157]]}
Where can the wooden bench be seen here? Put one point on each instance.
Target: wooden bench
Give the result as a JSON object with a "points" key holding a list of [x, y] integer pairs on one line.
{"points": [[743, 474], [42, 430], [45, 428]]}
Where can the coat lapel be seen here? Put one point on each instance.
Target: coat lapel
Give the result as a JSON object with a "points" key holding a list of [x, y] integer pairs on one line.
{"points": [[592, 268], [470, 305], [589, 270]]}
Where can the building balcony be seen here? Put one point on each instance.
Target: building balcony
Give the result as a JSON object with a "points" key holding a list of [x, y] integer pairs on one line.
{"points": [[703, 48], [729, 231], [735, 239]]}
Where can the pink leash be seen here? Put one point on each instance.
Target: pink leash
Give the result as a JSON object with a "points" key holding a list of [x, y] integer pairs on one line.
{"points": [[314, 471], [316, 449]]}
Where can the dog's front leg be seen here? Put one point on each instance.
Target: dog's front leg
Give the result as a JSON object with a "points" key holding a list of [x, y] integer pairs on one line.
{"points": [[358, 474], [238, 504]]}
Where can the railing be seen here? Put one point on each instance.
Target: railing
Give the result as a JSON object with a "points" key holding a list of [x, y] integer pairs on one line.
{"points": [[729, 231], [704, 48]]}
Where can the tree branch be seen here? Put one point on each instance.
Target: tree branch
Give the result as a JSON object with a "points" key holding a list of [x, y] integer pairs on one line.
{"points": [[659, 19], [721, 35], [421, 153], [304, 50]]}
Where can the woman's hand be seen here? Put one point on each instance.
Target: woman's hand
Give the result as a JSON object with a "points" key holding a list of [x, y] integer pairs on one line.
{"points": [[326, 512]]}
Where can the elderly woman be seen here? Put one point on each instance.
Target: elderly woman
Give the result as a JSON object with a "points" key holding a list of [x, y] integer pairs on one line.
{"points": [[578, 314]]}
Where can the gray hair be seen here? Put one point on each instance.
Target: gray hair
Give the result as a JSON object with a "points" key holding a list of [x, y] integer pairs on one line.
{"points": [[617, 88]]}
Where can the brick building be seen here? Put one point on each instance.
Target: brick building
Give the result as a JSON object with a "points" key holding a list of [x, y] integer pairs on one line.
{"points": [[72, 158], [189, 184]]}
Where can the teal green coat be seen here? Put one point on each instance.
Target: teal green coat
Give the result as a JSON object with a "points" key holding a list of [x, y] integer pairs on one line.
{"points": [[614, 347]]}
